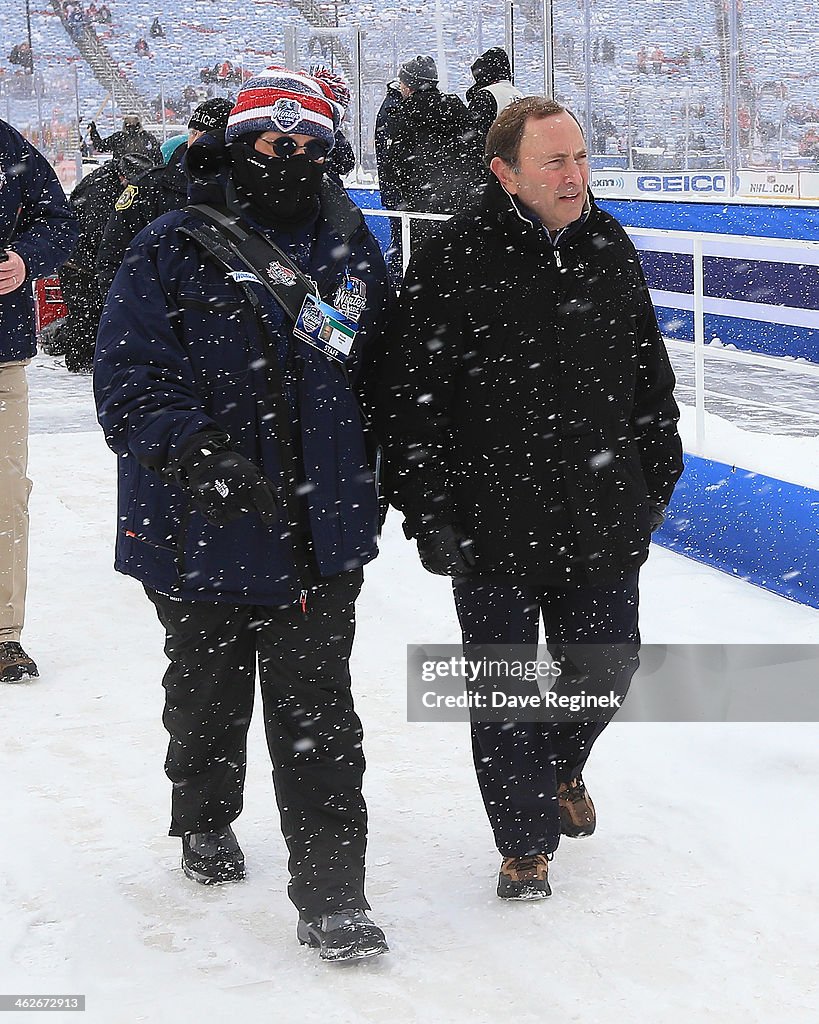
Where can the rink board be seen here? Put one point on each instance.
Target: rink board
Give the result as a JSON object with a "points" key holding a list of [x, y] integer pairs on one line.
{"points": [[759, 300], [749, 525]]}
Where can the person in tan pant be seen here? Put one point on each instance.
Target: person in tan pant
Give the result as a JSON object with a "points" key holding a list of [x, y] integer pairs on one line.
{"points": [[37, 234], [14, 491]]}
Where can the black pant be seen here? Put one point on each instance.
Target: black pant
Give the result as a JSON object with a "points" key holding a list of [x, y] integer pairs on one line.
{"points": [[519, 764], [82, 297], [313, 733]]}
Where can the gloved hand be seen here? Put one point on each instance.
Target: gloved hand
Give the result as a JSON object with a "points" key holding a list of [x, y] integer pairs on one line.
{"points": [[445, 551], [92, 126], [656, 516], [224, 485]]}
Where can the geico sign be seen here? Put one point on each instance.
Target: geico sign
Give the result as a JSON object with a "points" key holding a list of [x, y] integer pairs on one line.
{"points": [[682, 183]]}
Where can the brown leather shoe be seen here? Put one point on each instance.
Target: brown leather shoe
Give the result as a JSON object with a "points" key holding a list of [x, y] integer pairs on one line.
{"points": [[577, 814], [524, 878]]}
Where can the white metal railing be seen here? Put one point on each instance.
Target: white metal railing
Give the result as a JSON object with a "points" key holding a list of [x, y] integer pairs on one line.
{"points": [[696, 244]]}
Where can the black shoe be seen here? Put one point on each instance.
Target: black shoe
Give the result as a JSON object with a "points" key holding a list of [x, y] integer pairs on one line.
{"points": [[15, 664], [212, 857], [524, 878], [347, 935]]}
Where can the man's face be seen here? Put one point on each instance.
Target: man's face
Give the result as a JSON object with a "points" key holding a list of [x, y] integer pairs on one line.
{"points": [[193, 135], [552, 173]]}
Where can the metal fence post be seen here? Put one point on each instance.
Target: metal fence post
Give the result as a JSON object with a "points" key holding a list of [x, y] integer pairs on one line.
{"points": [[699, 348]]}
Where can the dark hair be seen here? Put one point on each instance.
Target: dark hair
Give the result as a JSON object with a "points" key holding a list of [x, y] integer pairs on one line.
{"points": [[506, 133]]}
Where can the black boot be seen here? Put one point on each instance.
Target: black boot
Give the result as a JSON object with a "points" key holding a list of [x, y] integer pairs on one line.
{"points": [[212, 857], [347, 935]]}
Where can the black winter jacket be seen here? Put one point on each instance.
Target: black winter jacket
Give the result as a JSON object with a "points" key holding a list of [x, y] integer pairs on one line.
{"points": [[387, 181], [527, 395], [154, 194], [93, 201], [430, 164], [491, 68]]}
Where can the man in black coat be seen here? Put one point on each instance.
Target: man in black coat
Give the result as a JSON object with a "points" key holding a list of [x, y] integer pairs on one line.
{"points": [[93, 201], [132, 138], [528, 412], [387, 183], [430, 160], [156, 192], [492, 92]]}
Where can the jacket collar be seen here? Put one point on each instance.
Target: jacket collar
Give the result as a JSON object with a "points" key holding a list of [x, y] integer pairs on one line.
{"points": [[519, 219]]}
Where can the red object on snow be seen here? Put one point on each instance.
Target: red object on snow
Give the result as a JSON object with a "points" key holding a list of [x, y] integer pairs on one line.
{"points": [[48, 301]]}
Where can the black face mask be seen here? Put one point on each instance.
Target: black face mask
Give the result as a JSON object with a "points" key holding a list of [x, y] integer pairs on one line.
{"points": [[273, 191]]}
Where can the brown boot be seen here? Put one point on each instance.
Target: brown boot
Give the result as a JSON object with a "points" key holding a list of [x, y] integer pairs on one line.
{"points": [[15, 664], [524, 878], [577, 815]]}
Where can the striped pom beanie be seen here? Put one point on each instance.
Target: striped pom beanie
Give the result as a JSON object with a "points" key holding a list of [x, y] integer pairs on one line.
{"points": [[286, 101]]}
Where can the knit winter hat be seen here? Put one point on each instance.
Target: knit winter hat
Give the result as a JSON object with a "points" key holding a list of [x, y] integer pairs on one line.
{"points": [[418, 72], [212, 115], [280, 100], [338, 87]]}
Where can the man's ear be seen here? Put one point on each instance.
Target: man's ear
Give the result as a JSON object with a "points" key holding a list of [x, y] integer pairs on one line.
{"points": [[505, 175]]}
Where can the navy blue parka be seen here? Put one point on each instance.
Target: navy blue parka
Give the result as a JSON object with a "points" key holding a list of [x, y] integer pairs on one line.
{"points": [[179, 354], [43, 233]]}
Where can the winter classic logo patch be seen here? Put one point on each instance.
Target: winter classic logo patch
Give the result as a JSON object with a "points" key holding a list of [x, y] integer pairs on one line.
{"points": [[280, 274], [351, 297], [285, 114]]}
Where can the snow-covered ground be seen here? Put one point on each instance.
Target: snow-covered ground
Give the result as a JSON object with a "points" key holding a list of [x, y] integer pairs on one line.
{"points": [[695, 901]]}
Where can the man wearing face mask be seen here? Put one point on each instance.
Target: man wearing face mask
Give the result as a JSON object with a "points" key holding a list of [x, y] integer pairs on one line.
{"points": [[247, 506]]}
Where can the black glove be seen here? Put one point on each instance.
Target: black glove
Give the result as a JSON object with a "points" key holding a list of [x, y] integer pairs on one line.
{"points": [[224, 485], [445, 551], [656, 516]]}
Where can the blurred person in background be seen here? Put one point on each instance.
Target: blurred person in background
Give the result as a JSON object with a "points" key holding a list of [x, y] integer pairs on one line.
{"points": [[156, 192], [492, 92], [429, 159]]}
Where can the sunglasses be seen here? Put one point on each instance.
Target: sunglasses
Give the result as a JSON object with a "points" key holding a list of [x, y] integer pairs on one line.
{"points": [[286, 146]]}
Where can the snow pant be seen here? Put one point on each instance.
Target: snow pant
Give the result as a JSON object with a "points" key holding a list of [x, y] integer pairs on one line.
{"points": [[520, 764], [82, 297], [313, 733], [14, 491]]}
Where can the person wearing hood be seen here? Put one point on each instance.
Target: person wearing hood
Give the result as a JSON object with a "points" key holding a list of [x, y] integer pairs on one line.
{"points": [[247, 505], [492, 92], [156, 192], [527, 410], [429, 161]]}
